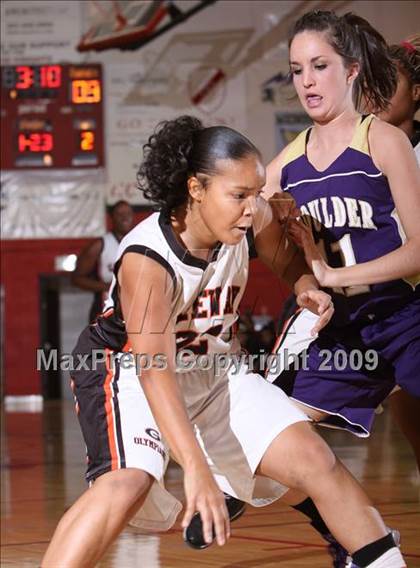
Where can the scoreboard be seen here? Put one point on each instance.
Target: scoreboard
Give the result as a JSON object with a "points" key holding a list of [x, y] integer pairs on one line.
{"points": [[52, 116]]}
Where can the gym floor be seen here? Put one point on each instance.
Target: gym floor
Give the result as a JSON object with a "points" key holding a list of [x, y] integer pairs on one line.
{"points": [[42, 475]]}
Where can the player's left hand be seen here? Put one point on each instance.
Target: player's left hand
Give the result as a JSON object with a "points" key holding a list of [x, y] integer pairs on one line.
{"points": [[319, 303]]}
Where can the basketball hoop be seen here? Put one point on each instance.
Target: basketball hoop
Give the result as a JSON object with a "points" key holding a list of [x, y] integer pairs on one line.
{"points": [[132, 24], [116, 28]]}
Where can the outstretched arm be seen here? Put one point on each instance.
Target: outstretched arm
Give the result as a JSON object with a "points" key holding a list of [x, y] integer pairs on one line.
{"points": [[146, 292]]}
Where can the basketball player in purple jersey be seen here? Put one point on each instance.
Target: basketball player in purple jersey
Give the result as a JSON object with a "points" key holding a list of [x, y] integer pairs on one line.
{"points": [[356, 182], [400, 113], [363, 210]]}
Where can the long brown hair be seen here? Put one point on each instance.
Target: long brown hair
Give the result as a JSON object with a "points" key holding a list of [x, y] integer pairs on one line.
{"points": [[356, 41]]}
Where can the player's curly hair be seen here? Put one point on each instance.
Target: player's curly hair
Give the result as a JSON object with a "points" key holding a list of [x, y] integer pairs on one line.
{"points": [[356, 41], [181, 148], [407, 56]]}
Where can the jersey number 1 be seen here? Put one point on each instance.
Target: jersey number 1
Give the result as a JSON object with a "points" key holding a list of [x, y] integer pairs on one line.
{"points": [[345, 249]]}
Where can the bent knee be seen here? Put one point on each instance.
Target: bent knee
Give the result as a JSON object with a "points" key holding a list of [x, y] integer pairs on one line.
{"points": [[316, 462], [298, 457], [129, 484], [320, 458]]}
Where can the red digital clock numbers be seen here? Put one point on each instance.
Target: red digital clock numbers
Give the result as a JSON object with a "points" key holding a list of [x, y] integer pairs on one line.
{"points": [[51, 77], [35, 142], [46, 77]]}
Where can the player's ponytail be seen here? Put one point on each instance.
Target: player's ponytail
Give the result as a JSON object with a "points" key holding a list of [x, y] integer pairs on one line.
{"points": [[356, 41], [377, 80], [181, 148], [163, 174]]}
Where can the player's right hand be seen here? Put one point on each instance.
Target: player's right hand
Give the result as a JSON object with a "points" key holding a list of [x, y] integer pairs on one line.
{"points": [[319, 303], [303, 237], [203, 495]]}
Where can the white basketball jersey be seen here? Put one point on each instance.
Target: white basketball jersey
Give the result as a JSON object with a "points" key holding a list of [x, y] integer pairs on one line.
{"points": [[108, 257], [207, 294]]}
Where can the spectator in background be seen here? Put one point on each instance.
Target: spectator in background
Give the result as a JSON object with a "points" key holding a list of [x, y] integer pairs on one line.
{"points": [[406, 100], [267, 337], [94, 267], [247, 321], [256, 342], [262, 319], [248, 338]]}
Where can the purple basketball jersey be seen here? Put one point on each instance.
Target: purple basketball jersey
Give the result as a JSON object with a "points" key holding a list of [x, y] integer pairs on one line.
{"points": [[353, 217]]}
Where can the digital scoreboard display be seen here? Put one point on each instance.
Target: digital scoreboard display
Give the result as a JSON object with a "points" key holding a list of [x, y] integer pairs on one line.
{"points": [[52, 116]]}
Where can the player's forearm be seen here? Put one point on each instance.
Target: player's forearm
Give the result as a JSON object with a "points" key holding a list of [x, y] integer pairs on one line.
{"points": [[297, 271], [167, 404], [305, 283], [401, 263]]}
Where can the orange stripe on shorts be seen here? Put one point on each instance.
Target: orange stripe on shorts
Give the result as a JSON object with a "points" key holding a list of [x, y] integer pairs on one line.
{"points": [[109, 407]]}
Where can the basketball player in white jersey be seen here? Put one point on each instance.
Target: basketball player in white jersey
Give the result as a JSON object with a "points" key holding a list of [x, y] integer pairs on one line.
{"points": [[95, 264], [172, 309]]}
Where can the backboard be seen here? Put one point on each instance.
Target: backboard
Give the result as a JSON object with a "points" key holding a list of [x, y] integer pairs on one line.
{"points": [[130, 24]]}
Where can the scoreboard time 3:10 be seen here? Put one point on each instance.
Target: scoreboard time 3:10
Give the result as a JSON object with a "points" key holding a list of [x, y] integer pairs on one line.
{"points": [[52, 116]]}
